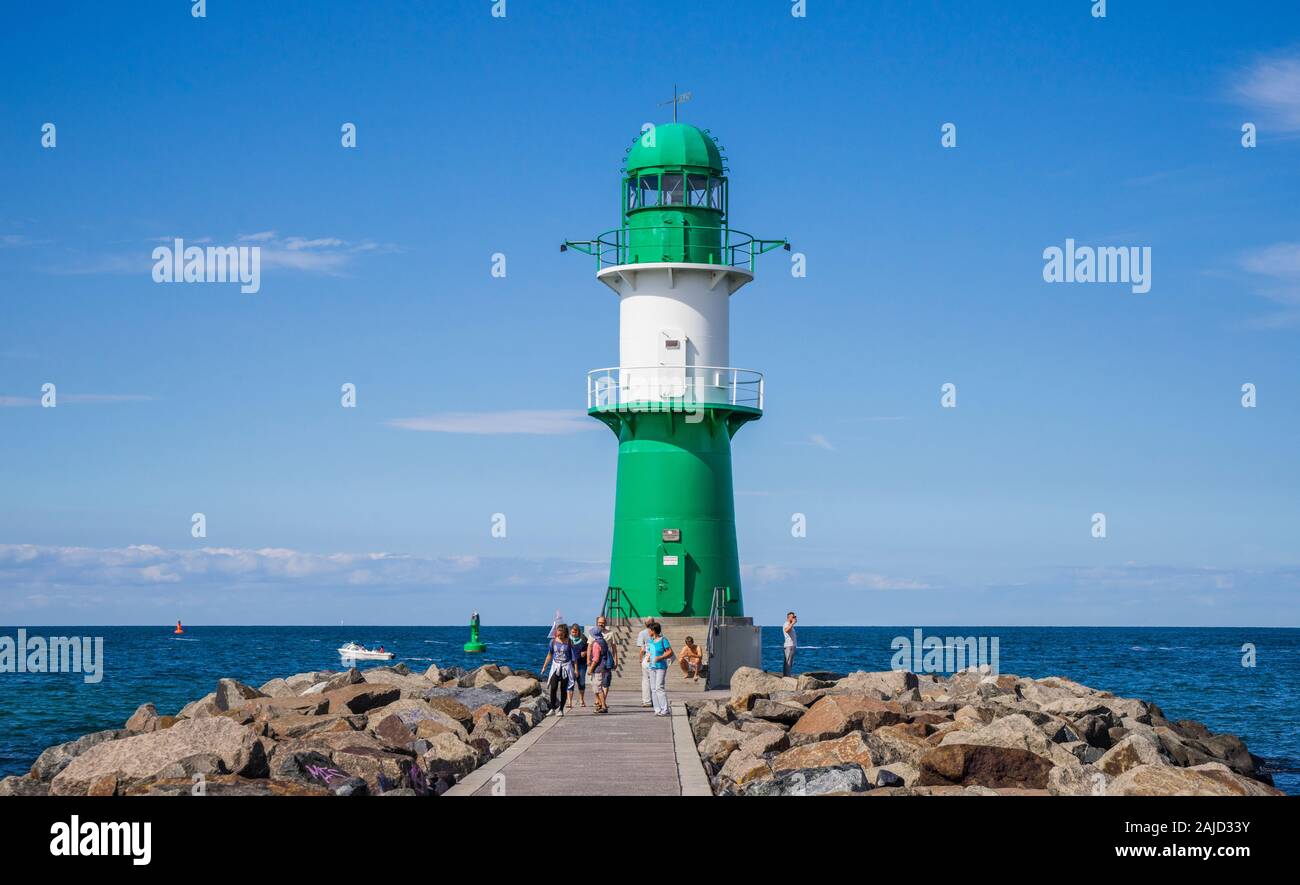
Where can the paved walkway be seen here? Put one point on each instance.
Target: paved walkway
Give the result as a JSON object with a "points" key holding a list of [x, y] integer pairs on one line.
{"points": [[628, 751]]}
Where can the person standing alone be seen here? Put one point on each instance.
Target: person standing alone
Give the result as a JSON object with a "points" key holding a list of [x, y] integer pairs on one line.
{"points": [[791, 644], [658, 652]]}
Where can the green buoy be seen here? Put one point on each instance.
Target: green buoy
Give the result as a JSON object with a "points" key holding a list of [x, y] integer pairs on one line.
{"points": [[474, 646]]}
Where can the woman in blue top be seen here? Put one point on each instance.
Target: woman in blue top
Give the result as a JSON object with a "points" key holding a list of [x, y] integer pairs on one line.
{"points": [[559, 657], [658, 652], [578, 640]]}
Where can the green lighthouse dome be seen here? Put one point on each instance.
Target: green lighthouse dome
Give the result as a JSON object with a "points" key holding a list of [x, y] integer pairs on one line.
{"points": [[674, 146]]}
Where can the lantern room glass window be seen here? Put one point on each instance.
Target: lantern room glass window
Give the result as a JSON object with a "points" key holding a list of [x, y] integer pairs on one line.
{"points": [[647, 192], [671, 189]]}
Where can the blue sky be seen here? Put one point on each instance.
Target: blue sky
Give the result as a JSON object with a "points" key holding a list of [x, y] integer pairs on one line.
{"points": [[478, 135]]}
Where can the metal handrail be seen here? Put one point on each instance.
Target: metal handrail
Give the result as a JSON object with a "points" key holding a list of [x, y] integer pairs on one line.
{"points": [[735, 248], [716, 613], [675, 386]]}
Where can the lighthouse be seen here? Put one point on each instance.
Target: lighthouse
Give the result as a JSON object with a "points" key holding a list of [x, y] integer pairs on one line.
{"points": [[675, 401]]}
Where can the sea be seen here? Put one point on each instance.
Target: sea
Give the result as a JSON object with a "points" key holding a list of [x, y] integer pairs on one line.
{"points": [[1240, 680]]}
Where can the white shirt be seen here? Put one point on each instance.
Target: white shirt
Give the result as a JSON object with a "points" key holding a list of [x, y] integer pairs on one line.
{"points": [[791, 638]]}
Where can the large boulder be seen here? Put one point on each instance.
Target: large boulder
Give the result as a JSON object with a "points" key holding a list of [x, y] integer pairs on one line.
{"points": [[765, 742], [286, 705], [720, 743], [889, 683], [231, 694], [412, 712], [984, 766], [473, 698], [1211, 779], [703, 721], [143, 756], [409, 685], [55, 759], [308, 766], [1132, 751], [831, 779], [836, 715], [742, 768], [204, 706], [1017, 732], [748, 681], [853, 748], [777, 711], [276, 688], [449, 754], [335, 681], [381, 769], [524, 686], [23, 786], [360, 697], [1077, 780], [901, 742]]}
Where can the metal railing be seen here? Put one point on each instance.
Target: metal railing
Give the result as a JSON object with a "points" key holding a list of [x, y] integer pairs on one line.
{"points": [[617, 606], [723, 246], [717, 611], [674, 388]]}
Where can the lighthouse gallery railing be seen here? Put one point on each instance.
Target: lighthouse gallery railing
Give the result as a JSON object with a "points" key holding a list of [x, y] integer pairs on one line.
{"points": [[697, 244], [674, 386]]}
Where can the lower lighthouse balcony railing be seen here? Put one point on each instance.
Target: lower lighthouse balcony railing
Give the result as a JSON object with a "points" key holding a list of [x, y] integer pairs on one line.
{"points": [[672, 387]]}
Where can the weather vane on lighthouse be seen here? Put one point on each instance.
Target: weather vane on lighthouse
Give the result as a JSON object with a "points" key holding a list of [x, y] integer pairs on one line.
{"points": [[674, 401], [678, 98]]}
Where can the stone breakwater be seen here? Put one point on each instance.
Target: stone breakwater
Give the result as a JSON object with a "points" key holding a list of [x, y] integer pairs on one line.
{"points": [[899, 734], [381, 731]]}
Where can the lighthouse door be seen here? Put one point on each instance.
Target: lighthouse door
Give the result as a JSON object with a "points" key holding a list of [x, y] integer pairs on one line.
{"points": [[672, 578]]}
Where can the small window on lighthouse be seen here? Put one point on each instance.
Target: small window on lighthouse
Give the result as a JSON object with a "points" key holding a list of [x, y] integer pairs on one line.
{"points": [[673, 344]]}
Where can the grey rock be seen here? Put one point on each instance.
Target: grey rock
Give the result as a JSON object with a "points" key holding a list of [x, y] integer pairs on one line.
{"points": [[54, 759], [473, 698], [846, 778]]}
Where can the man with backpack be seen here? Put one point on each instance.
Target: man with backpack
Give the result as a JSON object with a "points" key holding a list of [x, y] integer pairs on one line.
{"points": [[600, 666]]}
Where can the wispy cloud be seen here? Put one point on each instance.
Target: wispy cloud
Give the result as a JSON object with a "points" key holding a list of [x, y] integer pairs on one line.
{"points": [[876, 581], [821, 442], [546, 422], [331, 256], [1270, 86], [1279, 267]]}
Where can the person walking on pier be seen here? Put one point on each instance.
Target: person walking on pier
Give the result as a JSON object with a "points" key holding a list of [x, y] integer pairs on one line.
{"points": [[559, 657], [642, 639], [600, 666], [791, 644], [578, 640], [658, 653]]}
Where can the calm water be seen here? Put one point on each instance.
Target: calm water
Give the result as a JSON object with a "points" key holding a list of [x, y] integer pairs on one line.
{"points": [[1191, 673]]}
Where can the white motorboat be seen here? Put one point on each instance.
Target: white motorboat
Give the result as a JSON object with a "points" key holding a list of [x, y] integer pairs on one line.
{"points": [[356, 651]]}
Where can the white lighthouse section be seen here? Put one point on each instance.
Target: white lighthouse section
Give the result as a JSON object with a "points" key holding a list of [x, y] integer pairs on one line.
{"points": [[674, 341]]}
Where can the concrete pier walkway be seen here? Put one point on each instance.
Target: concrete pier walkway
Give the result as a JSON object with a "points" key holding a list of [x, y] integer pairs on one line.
{"points": [[626, 752]]}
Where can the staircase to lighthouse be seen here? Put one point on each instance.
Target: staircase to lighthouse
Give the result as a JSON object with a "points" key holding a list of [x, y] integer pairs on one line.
{"points": [[674, 401]]}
